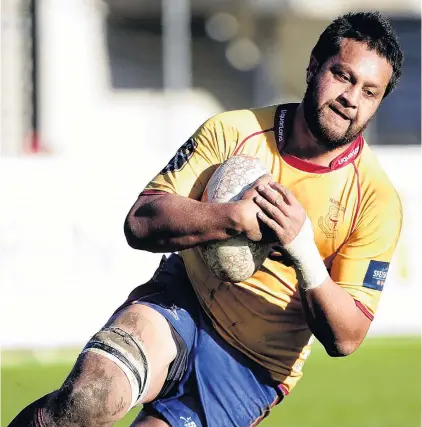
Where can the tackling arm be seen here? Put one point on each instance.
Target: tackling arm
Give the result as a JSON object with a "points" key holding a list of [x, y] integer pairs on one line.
{"points": [[169, 222], [173, 218]]}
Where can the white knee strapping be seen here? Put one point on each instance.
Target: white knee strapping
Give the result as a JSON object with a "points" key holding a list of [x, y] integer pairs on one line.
{"points": [[128, 353]]}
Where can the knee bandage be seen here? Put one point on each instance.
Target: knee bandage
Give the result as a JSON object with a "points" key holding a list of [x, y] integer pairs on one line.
{"points": [[128, 353]]}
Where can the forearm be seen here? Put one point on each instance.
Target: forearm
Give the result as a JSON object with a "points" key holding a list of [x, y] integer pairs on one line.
{"points": [[330, 311], [167, 223], [332, 316]]}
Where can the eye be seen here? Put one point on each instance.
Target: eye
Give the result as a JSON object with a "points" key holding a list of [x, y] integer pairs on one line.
{"points": [[369, 93], [342, 76]]}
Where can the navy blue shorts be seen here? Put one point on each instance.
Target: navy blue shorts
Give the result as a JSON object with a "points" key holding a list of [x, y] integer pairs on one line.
{"points": [[219, 386]]}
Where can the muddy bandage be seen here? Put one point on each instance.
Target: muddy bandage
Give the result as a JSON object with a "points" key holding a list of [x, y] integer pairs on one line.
{"points": [[310, 268], [128, 353]]}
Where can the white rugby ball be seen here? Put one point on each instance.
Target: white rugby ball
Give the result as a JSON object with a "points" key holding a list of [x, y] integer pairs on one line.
{"points": [[238, 258]]}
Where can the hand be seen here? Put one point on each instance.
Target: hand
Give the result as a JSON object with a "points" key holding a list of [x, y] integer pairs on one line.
{"points": [[280, 211], [247, 219], [283, 214], [252, 192], [247, 211]]}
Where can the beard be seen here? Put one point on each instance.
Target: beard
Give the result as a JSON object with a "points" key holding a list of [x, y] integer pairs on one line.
{"points": [[326, 133]]}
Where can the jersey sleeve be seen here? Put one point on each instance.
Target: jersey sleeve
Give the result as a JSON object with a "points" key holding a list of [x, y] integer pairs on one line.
{"points": [[189, 170], [361, 265]]}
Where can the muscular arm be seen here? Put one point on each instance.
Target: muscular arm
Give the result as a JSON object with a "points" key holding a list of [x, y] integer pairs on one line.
{"points": [[334, 318], [168, 222], [330, 311], [165, 223]]}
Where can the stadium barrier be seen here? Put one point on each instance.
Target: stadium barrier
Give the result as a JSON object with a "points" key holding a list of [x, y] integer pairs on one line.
{"points": [[65, 265]]}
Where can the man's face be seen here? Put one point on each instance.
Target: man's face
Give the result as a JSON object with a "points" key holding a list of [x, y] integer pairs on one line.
{"points": [[344, 93]]}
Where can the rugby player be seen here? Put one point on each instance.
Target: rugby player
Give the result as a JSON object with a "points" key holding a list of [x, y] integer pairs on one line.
{"points": [[196, 351]]}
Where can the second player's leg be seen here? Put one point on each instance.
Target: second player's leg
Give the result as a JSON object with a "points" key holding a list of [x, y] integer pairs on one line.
{"points": [[107, 377]]}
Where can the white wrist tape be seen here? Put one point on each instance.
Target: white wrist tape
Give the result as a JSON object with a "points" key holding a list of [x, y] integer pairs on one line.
{"points": [[310, 268]]}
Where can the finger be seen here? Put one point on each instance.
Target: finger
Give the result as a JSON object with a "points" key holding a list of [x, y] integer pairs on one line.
{"points": [[275, 256], [274, 197], [266, 178], [270, 209], [288, 196], [270, 223], [251, 190], [268, 193], [263, 180], [279, 254]]}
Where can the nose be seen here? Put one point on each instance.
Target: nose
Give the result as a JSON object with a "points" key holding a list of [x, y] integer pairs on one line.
{"points": [[350, 97]]}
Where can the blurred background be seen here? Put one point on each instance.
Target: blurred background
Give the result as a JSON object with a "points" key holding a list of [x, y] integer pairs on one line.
{"points": [[96, 96]]}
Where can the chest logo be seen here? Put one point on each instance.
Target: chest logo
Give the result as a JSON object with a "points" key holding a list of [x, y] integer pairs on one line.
{"points": [[329, 223]]}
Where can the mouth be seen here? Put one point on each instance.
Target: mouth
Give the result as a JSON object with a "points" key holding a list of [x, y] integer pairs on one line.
{"points": [[339, 113]]}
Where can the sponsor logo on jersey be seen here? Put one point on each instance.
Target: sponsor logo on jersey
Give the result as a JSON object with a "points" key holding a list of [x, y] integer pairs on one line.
{"points": [[349, 156], [182, 156], [283, 123], [376, 275], [281, 128]]}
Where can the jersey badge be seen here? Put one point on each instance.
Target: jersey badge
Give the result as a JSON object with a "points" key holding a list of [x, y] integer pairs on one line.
{"points": [[329, 223], [376, 275], [182, 156]]}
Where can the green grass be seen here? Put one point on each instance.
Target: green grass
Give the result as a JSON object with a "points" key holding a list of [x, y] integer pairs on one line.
{"points": [[378, 386]]}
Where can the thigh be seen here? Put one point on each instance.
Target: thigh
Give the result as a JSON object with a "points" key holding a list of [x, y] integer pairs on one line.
{"points": [[102, 383], [221, 387], [234, 389], [152, 329], [98, 390], [162, 314]]}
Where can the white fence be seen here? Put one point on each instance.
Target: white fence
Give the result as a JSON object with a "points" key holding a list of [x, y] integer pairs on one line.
{"points": [[65, 264]]}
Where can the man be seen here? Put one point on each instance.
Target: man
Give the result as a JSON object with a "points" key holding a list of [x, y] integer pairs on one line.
{"points": [[197, 351]]}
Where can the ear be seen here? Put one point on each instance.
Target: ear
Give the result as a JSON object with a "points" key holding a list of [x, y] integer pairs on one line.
{"points": [[312, 69]]}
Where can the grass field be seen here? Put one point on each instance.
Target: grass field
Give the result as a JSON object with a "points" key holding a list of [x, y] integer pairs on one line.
{"points": [[379, 386]]}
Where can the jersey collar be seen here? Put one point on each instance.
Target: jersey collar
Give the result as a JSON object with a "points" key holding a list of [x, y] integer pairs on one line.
{"points": [[283, 123]]}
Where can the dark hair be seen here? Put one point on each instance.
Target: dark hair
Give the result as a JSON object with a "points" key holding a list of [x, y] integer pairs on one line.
{"points": [[366, 27]]}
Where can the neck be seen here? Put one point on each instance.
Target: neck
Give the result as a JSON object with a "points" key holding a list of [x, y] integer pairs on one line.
{"points": [[302, 143]]}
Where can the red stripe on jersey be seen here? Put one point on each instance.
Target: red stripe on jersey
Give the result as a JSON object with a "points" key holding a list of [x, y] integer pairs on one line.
{"points": [[355, 218], [248, 137], [304, 165], [349, 155], [283, 389], [364, 310], [340, 161]]}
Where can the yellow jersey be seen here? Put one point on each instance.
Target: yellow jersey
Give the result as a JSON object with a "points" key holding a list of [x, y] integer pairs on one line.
{"points": [[355, 212]]}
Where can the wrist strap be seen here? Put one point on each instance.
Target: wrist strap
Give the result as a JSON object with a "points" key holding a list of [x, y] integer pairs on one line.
{"points": [[309, 266]]}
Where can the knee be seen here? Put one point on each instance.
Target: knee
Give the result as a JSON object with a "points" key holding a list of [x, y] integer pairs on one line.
{"points": [[95, 393]]}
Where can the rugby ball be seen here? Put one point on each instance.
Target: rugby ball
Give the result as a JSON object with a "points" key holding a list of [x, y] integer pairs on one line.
{"points": [[238, 258]]}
